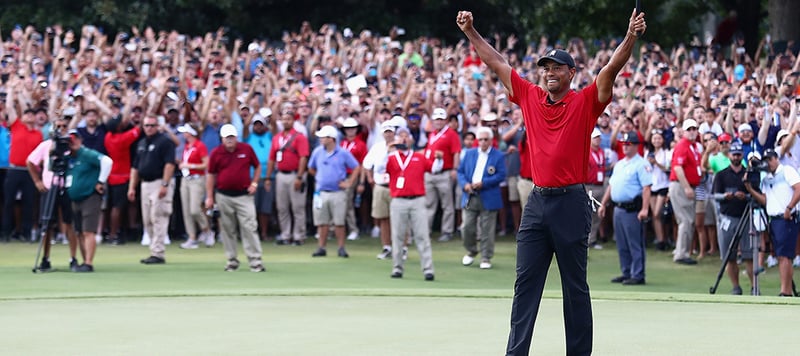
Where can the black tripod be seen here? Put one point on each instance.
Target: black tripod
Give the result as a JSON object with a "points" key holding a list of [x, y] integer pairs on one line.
{"points": [[57, 189], [746, 222]]}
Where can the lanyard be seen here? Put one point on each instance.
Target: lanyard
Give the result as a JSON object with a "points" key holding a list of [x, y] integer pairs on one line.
{"points": [[598, 158], [349, 146], [437, 136], [187, 152], [400, 163]]}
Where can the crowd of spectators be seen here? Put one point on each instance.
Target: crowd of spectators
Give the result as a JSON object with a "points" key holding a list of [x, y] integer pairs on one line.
{"points": [[317, 77]]}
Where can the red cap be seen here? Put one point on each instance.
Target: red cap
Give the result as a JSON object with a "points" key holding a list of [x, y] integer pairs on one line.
{"points": [[724, 137]]}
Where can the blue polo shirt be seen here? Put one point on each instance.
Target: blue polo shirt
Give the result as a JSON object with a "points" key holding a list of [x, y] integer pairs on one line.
{"points": [[629, 178], [261, 144], [331, 167], [210, 137], [5, 146]]}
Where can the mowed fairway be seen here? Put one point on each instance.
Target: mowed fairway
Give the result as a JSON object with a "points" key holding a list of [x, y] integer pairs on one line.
{"points": [[334, 306]]}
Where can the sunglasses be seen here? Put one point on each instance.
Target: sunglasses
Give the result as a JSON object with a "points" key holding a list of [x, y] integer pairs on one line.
{"points": [[150, 125], [483, 139], [691, 129]]}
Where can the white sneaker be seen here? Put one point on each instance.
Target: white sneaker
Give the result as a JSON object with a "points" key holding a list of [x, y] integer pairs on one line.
{"points": [[405, 253], [386, 253], [796, 262], [145, 239], [771, 261], [485, 265], [353, 236], [167, 241], [190, 245], [210, 239], [376, 232], [98, 238], [467, 260]]}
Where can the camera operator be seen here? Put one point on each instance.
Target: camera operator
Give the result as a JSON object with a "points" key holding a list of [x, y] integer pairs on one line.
{"points": [[87, 174], [729, 189], [781, 187], [45, 158]]}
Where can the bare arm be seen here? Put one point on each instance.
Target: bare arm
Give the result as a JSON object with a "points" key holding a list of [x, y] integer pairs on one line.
{"points": [[488, 54], [605, 79]]}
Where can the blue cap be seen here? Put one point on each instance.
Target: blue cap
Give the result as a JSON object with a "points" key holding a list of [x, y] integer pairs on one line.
{"points": [[736, 147], [559, 56]]}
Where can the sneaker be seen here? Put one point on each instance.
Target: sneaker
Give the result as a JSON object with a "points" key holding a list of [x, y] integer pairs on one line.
{"points": [[633, 281], [320, 253], [754, 291], [210, 239], [396, 275], [771, 261], [190, 245], [167, 241], [257, 268], [145, 239], [73, 265], [597, 246], [297, 243], [153, 260], [232, 265], [796, 261], [485, 264], [353, 236], [98, 238], [467, 260], [444, 237], [405, 253], [376, 232], [282, 242], [115, 241], [343, 253], [385, 253], [429, 277], [686, 261], [619, 279], [45, 265], [84, 268], [737, 290]]}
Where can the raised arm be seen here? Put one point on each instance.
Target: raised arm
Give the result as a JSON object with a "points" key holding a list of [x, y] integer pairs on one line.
{"points": [[488, 54], [605, 79]]}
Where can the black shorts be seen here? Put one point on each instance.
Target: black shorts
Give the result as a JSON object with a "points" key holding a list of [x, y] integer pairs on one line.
{"points": [[61, 205], [118, 195], [662, 192]]}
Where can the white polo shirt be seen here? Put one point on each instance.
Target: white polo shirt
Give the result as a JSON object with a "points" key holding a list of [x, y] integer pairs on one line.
{"points": [[778, 189]]}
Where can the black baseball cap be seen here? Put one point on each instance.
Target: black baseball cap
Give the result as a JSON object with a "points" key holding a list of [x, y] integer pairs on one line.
{"points": [[630, 138], [770, 153], [559, 56]]}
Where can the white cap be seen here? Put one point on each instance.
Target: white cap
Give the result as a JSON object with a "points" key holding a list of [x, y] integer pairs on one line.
{"points": [[387, 126], [395, 45], [265, 112], [227, 130], [745, 127], [327, 131], [350, 122], [188, 129], [490, 117], [253, 47], [398, 121], [781, 134], [439, 114], [596, 132], [259, 118], [688, 123], [347, 32], [317, 72]]}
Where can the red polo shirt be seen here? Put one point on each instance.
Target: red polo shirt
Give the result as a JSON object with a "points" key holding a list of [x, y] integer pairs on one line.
{"points": [[118, 147], [233, 168], [445, 140], [193, 154], [559, 134], [23, 142], [686, 155], [413, 174], [357, 148], [597, 164], [290, 152]]}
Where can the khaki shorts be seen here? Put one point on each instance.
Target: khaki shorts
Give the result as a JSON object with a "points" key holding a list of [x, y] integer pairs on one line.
{"points": [[331, 209], [87, 213], [381, 198], [513, 192]]}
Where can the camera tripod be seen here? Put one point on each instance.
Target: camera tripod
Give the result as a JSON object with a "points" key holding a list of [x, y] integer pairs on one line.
{"points": [[46, 213]]}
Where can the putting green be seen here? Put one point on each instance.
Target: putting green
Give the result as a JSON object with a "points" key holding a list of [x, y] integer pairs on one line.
{"points": [[281, 325]]}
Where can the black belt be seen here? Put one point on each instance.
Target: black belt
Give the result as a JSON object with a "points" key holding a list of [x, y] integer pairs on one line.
{"points": [[287, 172], [232, 192], [631, 206], [409, 197], [558, 190], [330, 191]]}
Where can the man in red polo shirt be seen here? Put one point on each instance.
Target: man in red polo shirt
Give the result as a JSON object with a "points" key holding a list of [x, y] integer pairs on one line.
{"points": [[684, 176], [355, 145], [559, 122], [594, 183], [406, 169], [25, 136], [230, 185], [289, 155], [443, 143]]}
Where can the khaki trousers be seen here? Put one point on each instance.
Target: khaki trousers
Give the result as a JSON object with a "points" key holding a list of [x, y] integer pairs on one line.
{"points": [[525, 187], [193, 190], [439, 188], [409, 214], [291, 206], [683, 207], [475, 215], [155, 214], [238, 218]]}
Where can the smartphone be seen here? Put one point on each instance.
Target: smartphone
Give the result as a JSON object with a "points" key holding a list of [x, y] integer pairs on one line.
{"points": [[739, 106]]}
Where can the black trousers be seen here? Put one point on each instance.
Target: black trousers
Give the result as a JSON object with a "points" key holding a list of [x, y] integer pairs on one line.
{"points": [[553, 224], [18, 180]]}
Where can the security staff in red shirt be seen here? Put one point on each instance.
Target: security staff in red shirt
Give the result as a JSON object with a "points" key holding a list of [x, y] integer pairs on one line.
{"points": [[683, 178], [406, 169], [445, 143], [559, 122]]}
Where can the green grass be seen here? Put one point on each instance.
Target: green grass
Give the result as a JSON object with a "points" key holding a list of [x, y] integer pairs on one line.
{"points": [[335, 306]]}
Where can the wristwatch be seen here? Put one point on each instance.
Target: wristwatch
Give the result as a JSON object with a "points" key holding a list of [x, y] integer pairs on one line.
{"points": [[165, 184]]}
